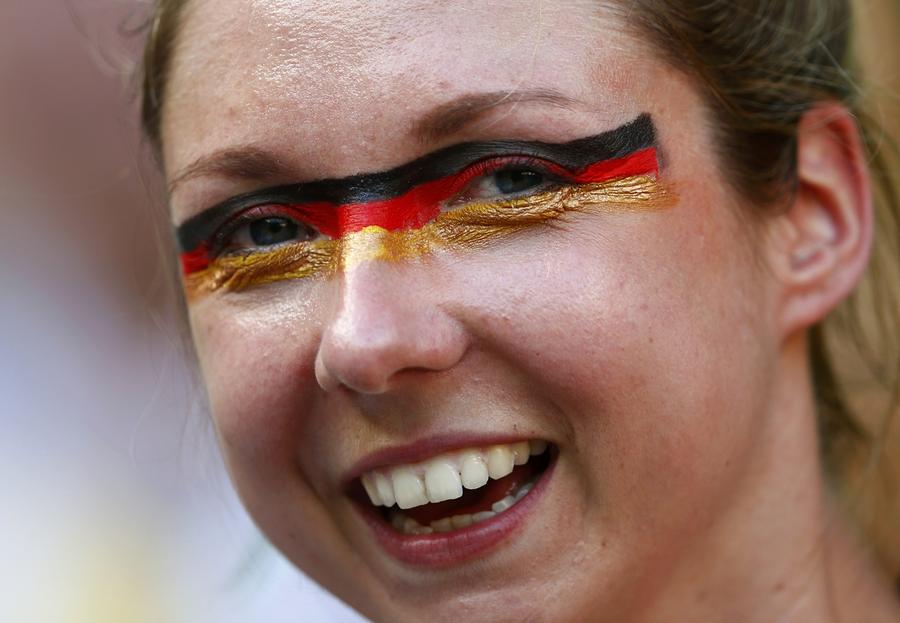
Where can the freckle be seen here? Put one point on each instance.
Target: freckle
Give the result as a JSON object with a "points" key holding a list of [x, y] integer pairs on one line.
{"points": [[778, 587]]}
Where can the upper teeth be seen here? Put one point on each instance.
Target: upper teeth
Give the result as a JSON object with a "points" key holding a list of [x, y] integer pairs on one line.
{"points": [[443, 477]]}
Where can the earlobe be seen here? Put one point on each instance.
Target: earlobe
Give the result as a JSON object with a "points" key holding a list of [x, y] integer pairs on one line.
{"points": [[821, 243]]}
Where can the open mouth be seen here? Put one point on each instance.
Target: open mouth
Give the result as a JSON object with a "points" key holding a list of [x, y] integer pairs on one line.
{"points": [[453, 491]]}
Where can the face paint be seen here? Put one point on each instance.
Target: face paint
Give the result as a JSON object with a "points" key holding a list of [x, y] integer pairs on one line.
{"points": [[424, 205]]}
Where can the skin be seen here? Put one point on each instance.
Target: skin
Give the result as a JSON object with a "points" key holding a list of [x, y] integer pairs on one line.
{"points": [[662, 352]]}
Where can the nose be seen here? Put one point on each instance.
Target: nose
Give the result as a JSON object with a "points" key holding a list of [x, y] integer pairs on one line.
{"points": [[386, 322]]}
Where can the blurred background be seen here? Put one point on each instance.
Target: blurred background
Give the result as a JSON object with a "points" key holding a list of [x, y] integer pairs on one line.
{"points": [[114, 506]]}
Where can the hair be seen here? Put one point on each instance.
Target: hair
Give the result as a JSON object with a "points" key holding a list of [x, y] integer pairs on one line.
{"points": [[760, 65]]}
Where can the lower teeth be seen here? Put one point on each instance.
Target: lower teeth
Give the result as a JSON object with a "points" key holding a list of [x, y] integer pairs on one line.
{"points": [[408, 525]]}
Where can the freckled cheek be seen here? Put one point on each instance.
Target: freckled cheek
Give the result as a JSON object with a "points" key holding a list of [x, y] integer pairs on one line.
{"points": [[685, 372], [643, 331], [258, 372]]}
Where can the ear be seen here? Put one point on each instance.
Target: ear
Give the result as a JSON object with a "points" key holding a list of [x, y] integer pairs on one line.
{"points": [[820, 245]]}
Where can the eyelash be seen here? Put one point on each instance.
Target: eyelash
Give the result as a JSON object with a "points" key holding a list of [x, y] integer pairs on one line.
{"points": [[222, 240], [553, 175]]}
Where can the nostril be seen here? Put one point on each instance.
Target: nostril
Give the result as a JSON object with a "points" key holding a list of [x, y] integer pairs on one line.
{"points": [[323, 377]]}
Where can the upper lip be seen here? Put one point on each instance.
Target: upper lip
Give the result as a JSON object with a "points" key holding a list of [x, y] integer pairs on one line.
{"points": [[420, 449]]}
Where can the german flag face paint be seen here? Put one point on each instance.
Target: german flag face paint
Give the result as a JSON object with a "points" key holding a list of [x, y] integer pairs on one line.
{"points": [[463, 197]]}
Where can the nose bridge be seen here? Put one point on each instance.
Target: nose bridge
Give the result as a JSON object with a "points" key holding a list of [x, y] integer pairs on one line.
{"points": [[384, 323]]}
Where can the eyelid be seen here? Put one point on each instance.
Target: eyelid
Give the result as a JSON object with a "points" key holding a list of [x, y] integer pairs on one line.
{"points": [[218, 241], [491, 165], [474, 173]]}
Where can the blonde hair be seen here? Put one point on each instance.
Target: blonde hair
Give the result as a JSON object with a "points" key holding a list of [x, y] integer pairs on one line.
{"points": [[760, 65]]}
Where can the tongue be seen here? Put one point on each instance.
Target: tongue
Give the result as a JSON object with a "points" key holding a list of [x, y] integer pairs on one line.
{"points": [[475, 500]]}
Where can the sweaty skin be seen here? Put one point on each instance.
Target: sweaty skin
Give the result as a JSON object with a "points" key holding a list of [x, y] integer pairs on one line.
{"points": [[647, 347]]}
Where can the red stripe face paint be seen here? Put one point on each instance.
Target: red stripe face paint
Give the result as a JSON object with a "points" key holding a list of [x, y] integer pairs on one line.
{"points": [[422, 204], [430, 193]]}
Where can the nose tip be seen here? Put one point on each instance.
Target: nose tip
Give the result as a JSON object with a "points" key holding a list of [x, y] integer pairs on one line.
{"points": [[382, 329], [362, 363]]}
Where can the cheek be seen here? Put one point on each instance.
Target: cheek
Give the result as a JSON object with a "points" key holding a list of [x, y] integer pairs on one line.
{"points": [[257, 362], [681, 371], [649, 335]]}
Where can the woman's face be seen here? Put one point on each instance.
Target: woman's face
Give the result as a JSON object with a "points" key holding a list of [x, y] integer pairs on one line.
{"points": [[634, 339]]}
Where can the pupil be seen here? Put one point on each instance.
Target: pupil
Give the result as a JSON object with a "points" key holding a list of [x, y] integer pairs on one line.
{"points": [[514, 181], [272, 230]]}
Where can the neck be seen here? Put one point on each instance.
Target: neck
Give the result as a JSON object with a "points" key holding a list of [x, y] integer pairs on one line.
{"points": [[781, 551]]}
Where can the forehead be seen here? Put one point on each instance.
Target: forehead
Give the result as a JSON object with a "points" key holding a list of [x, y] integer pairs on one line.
{"points": [[350, 77]]}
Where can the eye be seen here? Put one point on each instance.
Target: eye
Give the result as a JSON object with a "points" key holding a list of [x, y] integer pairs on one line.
{"points": [[260, 228], [272, 230], [507, 178], [510, 181]]}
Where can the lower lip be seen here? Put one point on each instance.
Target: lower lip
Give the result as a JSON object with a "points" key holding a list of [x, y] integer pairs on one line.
{"points": [[444, 549]]}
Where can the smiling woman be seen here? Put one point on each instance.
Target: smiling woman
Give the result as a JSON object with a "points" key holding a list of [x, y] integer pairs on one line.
{"points": [[512, 310]]}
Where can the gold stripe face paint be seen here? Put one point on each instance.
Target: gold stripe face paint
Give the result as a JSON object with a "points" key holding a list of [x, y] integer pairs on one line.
{"points": [[409, 220], [469, 227]]}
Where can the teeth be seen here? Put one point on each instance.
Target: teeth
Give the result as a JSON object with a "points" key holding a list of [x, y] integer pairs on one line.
{"points": [[520, 452], [444, 477], [408, 525], [371, 490], [442, 525], [409, 489], [442, 482], [474, 470], [523, 491], [502, 505], [500, 461], [385, 490]]}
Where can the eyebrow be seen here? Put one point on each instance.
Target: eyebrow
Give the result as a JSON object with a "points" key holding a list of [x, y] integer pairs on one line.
{"points": [[457, 114], [253, 163], [242, 162]]}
